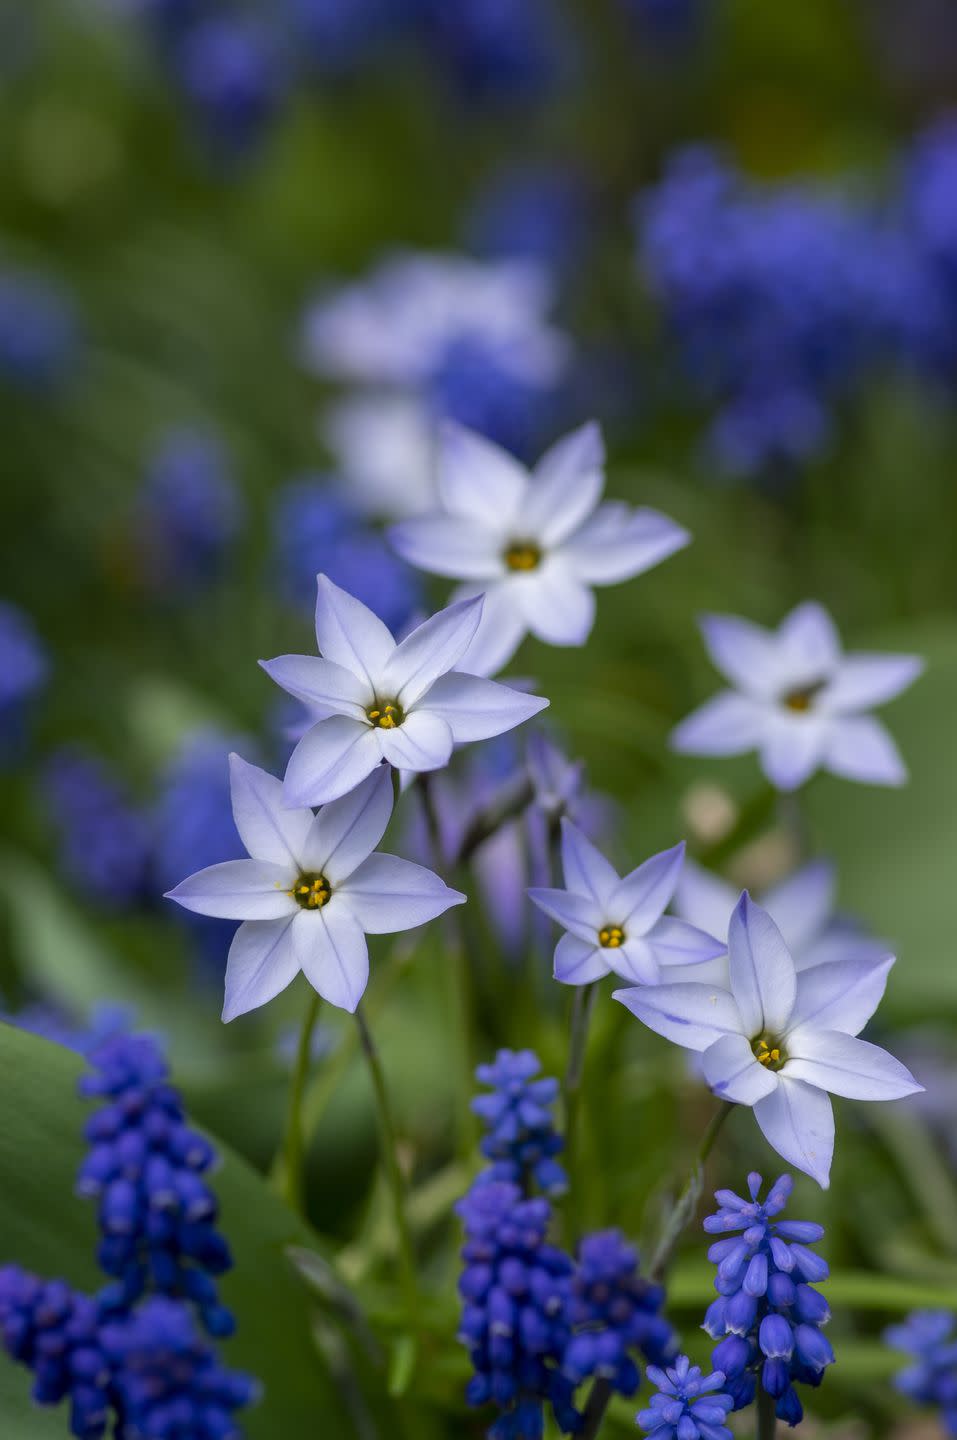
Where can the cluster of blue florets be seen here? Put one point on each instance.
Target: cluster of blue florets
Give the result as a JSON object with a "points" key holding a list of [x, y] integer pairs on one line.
{"points": [[930, 1336], [768, 1316], [104, 838], [688, 1405], [188, 513], [521, 1140], [615, 1313], [145, 1167], [130, 1359]]}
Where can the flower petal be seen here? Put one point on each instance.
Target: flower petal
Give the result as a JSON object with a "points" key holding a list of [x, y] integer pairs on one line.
{"points": [[639, 899], [763, 980], [745, 653], [477, 479], [841, 994], [449, 545], [835, 1061], [619, 543], [733, 1073], [578, 914], [349, 634], [808, 643], [864, 680], [433, 648], [327, 688], [387, 894], [675, 942], [332, 758], [475, 708], [727, 724], [577, 962], [333, 954], [564, 489], [704, 899], [266, 827], [793, 747], [347, 830], [635, 961], [801, 904], [501, 630], [584, 867], [796, 1119], [422, 742], [557, 607], [261, 963], [693, 1016], [238, 890], [860, 748]]}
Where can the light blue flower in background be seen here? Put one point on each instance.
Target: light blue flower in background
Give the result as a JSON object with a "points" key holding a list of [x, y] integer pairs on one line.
{"points": [[378, 701], [799, 700], [310, 892], [615, 924], [533, 542], [779, 1041]]}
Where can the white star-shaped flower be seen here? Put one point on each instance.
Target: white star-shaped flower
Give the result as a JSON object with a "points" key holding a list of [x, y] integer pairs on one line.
{"points": [[404, 704], [310, 892], [535, 542]]}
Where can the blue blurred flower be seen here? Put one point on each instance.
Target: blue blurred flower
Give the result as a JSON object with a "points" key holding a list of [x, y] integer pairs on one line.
{"points": [[515, 1289], [234, 76], [668, 22], [50, 1023], [520, 1140], [615, 1312], [315, 529], [194, 827], [688, 1405], [104, 840], [39, 335], [338, 37], [24, 669], [929, 1336], [188, 514], [768, 1316], [533, 212], [145, 1168], [496, 50]]}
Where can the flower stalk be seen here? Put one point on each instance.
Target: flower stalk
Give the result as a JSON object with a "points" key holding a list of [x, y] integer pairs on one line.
{"points": [[683, 1211], [766, 1419], [582, 1003], [291, 1178]]}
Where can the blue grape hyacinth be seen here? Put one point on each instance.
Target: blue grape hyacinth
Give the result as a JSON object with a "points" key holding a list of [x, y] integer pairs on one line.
{"points": [[515, 1287], [189, 512], [768, 1316], [521, 1139], [145, 1168], [930, 1336], [615, 1311], [104, 840], [688, 1405]]}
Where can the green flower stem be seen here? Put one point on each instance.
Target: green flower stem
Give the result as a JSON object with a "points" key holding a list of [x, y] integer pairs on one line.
{"points": [[684, 1210], [766, 1418], [393, 1171], [594, 1412], [293, 1148], [458, 981], [582, 1002]]}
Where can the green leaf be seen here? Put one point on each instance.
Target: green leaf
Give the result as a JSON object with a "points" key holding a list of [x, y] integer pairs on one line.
{"points": [[44, 1227], [692, 1287]]}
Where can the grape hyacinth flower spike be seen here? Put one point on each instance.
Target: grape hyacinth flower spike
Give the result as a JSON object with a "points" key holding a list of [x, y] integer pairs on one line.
{"points": [[405, 704], [310, 892], [534, 542], [688, 1405], [520, 1140], [767, 1317], [618, 924], [930, 1337], [799, 700], [779, 1041]]}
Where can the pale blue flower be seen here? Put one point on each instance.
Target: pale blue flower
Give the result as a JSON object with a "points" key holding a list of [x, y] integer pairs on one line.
{"points": [[310, 892], [377, 701], [615, 924], [799, 700], [534, 542], [778, 1040]]}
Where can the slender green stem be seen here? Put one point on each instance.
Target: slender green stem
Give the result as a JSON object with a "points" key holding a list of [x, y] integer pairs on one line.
{"points": [[393, 1171], [687, 1202], [766, 1417], [582, 1002], [293, 1149], [458, 981], [594, 1413]]}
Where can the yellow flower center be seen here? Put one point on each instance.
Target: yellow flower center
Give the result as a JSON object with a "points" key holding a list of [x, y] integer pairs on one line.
{"points": [[385, 714], [523, 555], [802, 698], [311, 892], [611, 937], [768, 1051]]}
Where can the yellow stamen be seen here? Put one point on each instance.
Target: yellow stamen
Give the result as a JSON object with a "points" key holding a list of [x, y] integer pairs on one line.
{"points": [[611, 937], [311, 892], [385, 716], [523, 555]]}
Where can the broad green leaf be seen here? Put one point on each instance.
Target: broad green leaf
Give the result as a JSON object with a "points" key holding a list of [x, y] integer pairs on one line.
{"points": [[44, 1227]]}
